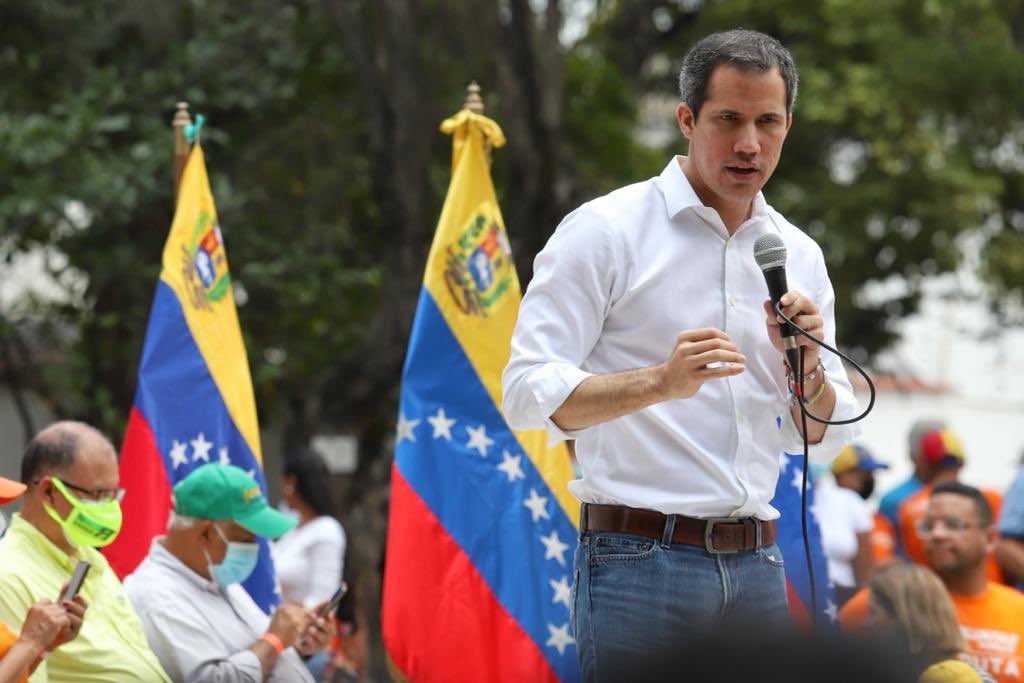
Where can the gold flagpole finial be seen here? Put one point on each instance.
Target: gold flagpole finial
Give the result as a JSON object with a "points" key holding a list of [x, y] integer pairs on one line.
{"points": [[474, 102]]}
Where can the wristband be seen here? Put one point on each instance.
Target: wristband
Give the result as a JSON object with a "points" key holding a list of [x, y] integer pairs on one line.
{"points": [[273, 641], [817, 394]]}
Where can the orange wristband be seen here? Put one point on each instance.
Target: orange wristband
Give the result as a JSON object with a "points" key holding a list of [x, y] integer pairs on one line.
{"points": [[273, 641]]}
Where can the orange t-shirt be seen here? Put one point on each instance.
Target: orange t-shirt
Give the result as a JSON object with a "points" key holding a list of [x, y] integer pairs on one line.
{"points": [[883, 539], [912, 510], [7, 638], [992, 624]]}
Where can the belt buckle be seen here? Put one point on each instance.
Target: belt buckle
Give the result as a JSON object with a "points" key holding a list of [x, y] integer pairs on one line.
{"points": [[709, 528]]}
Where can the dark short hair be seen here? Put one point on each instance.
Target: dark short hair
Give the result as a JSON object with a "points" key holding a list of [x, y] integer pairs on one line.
{"points": [[311, 479], [48, 452], [981, 505], [741, 48]]}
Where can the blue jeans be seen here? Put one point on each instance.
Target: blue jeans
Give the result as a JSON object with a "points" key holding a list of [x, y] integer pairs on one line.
{"points": [[634, 598]]}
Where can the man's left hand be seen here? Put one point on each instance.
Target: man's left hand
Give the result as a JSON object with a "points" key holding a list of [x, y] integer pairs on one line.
{"points": [[802, 311]]}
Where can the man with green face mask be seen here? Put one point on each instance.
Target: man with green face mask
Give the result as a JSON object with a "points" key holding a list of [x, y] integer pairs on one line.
{"points": [[71, 508], [199, 620]]}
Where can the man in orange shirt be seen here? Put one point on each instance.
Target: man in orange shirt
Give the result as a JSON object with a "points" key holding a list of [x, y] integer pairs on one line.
{"points": [[943, 456], [959, 535]]}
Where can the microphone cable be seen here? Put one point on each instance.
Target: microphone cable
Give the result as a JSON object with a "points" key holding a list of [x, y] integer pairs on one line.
{"points": [[804, 415]]}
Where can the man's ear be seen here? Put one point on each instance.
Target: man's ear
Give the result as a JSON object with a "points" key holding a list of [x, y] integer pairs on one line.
{"points": [[206, 531], [686, 119]]}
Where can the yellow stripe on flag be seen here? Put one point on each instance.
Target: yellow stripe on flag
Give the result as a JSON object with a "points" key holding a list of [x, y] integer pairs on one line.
{"points": [[472, 279], [195, 266]]}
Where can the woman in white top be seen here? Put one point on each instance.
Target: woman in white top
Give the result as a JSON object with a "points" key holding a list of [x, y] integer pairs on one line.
{"points": [[309, 558]]}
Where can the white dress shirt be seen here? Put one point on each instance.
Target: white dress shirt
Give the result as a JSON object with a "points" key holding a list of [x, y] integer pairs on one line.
{"points": [[199, 633], [620, 278], [308, 560]]}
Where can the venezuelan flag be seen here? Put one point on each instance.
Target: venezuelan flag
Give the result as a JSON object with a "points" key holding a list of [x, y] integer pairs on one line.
{"points": [[482, 528], [194, 402]]}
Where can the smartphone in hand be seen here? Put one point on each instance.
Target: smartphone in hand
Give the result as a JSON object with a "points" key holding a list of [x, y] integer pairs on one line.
{"points": [[75, 582], [332, 604]]}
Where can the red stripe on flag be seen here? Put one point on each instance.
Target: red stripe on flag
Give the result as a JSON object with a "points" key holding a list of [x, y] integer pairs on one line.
{"points": [[441, 621], [147, 498]]}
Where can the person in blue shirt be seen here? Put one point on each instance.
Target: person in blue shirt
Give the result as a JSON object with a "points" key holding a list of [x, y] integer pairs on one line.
{"points": [[1010, 545]]}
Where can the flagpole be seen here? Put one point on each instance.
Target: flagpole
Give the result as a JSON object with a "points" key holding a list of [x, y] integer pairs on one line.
{"points": [[181, 147]]}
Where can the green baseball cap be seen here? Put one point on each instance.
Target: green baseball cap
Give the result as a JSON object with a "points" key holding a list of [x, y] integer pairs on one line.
{"points": [[215, 491]]}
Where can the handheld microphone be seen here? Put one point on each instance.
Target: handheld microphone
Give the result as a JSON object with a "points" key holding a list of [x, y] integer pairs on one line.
{"points": [[770, 254]]}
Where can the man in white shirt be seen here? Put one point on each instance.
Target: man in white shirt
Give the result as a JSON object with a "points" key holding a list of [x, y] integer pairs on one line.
{"points": [[200, 622], [645, 335]]}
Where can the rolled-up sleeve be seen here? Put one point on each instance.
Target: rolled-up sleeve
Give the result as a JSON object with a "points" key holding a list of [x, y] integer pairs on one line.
{"points": [[847, 406], [560, 320]]}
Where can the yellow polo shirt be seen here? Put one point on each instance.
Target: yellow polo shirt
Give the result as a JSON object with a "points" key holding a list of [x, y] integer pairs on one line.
{"points": [[111, 645]]}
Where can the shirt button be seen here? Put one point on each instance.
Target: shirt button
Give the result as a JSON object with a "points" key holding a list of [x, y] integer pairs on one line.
{"points": [[740, 417], [732, 301]]}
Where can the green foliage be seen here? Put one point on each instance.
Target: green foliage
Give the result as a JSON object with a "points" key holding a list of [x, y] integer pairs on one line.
{"points": [[328, 169], [84, 110]]}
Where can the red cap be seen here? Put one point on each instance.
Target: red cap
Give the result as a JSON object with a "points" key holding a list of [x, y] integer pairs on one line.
{"points": [[940, 446], [9, 490]]}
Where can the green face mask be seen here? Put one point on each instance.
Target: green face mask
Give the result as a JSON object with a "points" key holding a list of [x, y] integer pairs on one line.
{"points": [[90, 523]]}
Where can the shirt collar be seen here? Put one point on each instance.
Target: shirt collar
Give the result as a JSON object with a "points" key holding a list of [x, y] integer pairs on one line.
{"points": [[163, 558], [679, 193], [36, 539]]}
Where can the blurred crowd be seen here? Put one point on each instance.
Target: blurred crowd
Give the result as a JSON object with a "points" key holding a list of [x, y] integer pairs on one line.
{"points": [[937, 565], [182, 614]]}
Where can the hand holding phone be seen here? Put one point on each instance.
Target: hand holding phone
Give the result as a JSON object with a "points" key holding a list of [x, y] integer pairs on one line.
{"points": [[75, 582]]}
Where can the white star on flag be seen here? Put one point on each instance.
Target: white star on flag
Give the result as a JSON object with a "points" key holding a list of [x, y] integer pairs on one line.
{"points": [[510, 466], [405, 428], [561, 588], [560, 638], [201, 448], [832, 611], [798, 479], [442, 424], [178, 456], [538, 505], [251, 473], [223, 456], [554, 548], [479, 440]]}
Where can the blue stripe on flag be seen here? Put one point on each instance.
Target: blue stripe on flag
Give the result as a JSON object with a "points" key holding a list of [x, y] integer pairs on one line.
{"points": [[180, 401], [477, 503]]}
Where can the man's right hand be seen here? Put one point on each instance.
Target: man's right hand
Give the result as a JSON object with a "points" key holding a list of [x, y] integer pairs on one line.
{"points": [[687, 366], [45, 622], [287, 623]]}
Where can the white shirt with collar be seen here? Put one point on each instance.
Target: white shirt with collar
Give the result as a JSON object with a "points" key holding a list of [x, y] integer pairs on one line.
{"points": [[620, 278], [199, 633]]}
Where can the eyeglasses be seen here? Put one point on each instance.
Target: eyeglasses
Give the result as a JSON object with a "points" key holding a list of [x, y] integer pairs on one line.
{"points": [[94, 495], [925, 527]]}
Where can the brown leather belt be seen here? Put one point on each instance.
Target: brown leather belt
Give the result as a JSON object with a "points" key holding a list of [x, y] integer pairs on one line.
{"points": [[716, 534]]}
